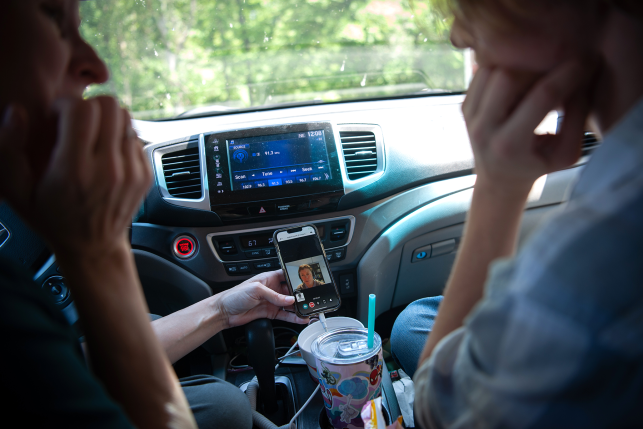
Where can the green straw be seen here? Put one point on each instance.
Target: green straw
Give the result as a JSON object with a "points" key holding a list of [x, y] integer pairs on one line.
{"points": [[371, 320]]}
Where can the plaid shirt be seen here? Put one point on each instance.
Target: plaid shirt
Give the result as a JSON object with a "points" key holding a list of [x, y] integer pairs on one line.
{"points": [[557, 340]]}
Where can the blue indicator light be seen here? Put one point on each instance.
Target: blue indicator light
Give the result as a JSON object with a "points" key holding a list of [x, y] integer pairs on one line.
{"points": [[421, 255]]}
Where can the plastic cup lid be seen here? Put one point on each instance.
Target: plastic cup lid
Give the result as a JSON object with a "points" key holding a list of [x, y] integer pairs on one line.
{"points": [[345, 346]]}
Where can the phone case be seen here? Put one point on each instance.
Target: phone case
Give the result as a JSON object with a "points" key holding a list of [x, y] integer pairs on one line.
{"points": [[290, 287]]}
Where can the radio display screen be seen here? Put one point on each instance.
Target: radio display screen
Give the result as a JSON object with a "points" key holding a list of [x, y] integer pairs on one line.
{"points": [[278, 160], [247, 166]]}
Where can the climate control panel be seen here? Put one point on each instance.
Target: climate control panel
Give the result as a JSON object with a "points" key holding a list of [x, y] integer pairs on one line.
{"points": [[252, 251]]}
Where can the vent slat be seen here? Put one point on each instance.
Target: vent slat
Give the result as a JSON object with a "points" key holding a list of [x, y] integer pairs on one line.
{"points": [[590, 143], [360, 153], [192, 188], [358, 148], [362, 167], [170, 171], [365, 141], [184, 162], [182, 182], [182, 171], [355, 161]]}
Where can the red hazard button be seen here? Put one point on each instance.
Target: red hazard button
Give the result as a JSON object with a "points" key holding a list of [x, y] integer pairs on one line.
{"points": [[262, 210], [184, 246]]}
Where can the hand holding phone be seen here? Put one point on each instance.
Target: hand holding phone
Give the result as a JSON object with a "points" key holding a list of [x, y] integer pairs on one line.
{"points": [[306, 270]]}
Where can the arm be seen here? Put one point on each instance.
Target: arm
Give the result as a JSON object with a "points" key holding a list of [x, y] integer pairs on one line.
{"points": [[502, 110], [262, 296], [81, 200]]}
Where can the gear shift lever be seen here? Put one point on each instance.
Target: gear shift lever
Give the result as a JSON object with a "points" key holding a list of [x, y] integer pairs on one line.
{"points": [[261, 356]]}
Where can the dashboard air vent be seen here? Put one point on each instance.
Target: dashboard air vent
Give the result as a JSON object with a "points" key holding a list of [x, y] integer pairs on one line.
{"points": [[360, 153], [590, 143], [182, 171]]}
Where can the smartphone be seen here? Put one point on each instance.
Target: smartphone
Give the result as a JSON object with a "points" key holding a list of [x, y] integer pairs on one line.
{"points": [[306, 270]]}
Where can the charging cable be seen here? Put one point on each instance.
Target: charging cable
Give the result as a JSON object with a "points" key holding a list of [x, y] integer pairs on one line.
{"points": [[251, 391], [288, 353], [322, 319], [293, 422]]}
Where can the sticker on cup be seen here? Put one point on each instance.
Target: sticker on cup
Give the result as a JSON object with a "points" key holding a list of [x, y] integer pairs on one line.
{"points": [[350, 374]]}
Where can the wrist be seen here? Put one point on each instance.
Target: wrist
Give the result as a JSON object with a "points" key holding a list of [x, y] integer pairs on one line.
{"points": [[95, 261], [511, 192], [218, 315], [93, 253]]}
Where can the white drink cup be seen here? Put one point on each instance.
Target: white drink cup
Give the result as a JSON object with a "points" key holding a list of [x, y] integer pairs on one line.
{"points": [[314, 330]]}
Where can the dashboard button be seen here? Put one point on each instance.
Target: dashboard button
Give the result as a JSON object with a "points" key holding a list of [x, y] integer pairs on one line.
{"points": [[337, 233], [184, 247], [269, 252], [244, 267], [232, 269], [227, 247], [263, 210], [335, 254], [254, 254], [421, 254], [286, 208], [347, 284], [266, 266]]}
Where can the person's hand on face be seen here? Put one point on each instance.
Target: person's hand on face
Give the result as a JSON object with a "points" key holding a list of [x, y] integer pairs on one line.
{"points": [[96, 176], [262, 296], [72, 168], [502, 111]]}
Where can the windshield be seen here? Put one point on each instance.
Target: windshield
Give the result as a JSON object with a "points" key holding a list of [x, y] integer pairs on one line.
{"points": [[170, 58]]}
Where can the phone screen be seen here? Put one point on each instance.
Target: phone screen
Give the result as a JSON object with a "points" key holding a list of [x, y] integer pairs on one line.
{"points": [[306, 270]]}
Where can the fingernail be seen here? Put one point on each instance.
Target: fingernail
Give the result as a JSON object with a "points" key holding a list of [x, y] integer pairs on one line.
{"points": [[290, 299]]}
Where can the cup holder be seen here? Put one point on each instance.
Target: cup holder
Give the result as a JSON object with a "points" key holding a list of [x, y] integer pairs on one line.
{"points": [[324, 423]]}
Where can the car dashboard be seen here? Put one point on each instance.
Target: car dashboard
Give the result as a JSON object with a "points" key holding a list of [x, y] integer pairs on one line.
{"points": [[389, 199], [408, 196]]}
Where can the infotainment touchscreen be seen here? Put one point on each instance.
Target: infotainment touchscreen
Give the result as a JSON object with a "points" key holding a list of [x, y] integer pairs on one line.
{"points": [[278, 160], [289, 165]]}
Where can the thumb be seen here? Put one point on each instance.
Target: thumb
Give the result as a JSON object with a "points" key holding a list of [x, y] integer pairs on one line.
{"points": [[15, 171], [276, 298]]}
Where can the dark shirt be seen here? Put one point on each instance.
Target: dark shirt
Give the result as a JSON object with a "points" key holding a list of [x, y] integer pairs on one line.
{"points": [[45, 381]]}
